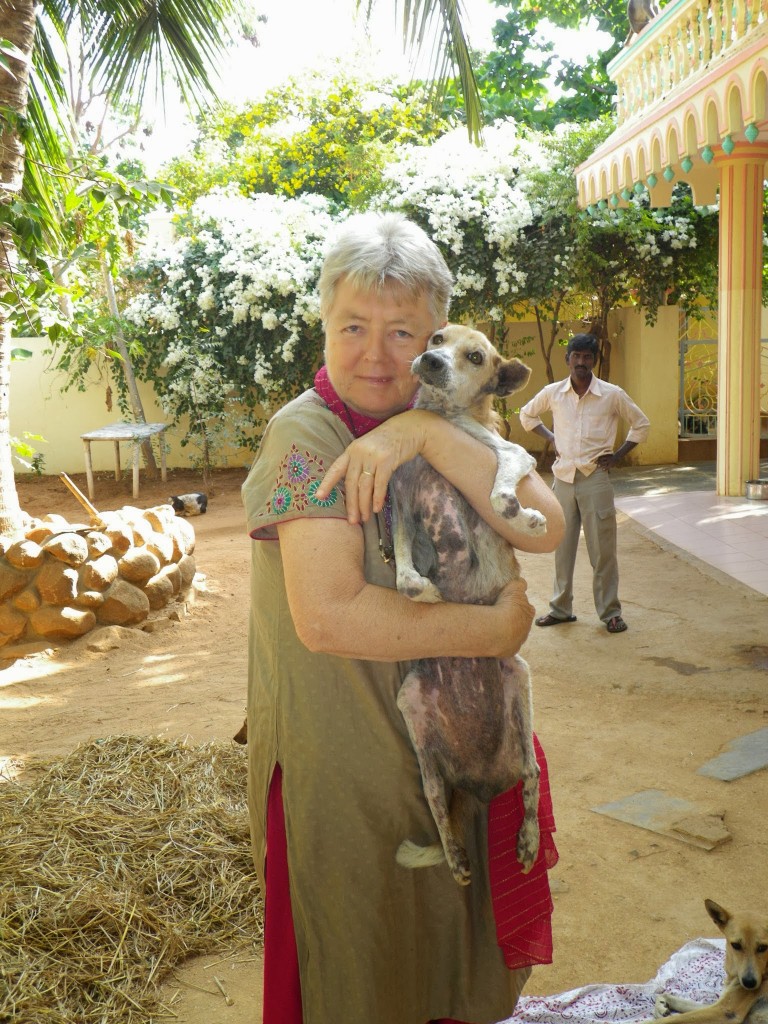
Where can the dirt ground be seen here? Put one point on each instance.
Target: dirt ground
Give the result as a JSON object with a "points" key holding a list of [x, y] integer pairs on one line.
{"points": [[616, 714]]}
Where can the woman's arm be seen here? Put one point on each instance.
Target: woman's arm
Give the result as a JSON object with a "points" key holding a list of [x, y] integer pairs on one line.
{"points": [[346, 616], [369, 462]]}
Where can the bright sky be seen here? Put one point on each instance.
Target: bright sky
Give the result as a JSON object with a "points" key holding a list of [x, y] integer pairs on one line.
{"points": [[304, 34]]}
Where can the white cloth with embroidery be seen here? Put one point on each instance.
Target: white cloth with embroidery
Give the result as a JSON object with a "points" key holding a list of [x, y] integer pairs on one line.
{"points": [[694, 972]]}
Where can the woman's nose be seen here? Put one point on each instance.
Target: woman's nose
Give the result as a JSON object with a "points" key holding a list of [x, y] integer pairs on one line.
{"points": [[375, 348]]}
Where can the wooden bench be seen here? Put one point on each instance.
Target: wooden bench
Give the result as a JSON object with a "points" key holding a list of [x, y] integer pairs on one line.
{"points": [[117, 432]]}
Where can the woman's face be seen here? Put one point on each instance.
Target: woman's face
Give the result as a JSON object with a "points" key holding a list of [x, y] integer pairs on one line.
{"points": [[371, 339]]}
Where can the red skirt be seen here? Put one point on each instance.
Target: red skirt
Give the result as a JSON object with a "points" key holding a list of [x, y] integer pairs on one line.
{"points": [[522, 904]]}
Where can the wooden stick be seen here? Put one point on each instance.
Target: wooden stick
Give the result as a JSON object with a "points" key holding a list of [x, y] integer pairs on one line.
{"points": [[90, 509]]}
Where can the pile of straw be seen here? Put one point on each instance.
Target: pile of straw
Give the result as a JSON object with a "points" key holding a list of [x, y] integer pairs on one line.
{"points": [[116, 863]]}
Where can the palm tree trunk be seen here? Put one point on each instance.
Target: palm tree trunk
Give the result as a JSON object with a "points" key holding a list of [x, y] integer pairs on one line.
{"points": [[17, 18]]}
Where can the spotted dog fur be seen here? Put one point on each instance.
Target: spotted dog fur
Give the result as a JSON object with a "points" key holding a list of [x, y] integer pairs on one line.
{"points": [[469, 719]]}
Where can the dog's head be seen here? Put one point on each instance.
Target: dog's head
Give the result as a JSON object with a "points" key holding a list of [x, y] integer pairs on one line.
{"points": [[746, 950], [461, 368]]}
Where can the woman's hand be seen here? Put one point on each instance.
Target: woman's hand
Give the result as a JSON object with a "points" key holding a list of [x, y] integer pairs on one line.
{"points": [[369, 462], [517, 617]]}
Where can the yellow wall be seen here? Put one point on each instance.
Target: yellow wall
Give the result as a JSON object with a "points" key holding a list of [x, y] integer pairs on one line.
{"points": [[644, 361], [39, 407]]}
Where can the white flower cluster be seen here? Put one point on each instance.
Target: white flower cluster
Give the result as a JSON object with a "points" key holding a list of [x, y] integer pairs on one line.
{"points": [[252, 264], [473, 200]]}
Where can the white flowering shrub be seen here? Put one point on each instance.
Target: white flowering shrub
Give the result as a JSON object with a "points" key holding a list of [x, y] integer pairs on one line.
{"points": [[477, 207], [229, 314]]}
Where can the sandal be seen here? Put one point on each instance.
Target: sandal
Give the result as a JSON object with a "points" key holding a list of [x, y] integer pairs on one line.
{"points": [[551, 620], [616, 624]]}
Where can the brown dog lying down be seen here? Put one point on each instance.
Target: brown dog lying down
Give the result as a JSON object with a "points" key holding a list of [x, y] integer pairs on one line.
{"points": [[469, 719], [745, 995]]}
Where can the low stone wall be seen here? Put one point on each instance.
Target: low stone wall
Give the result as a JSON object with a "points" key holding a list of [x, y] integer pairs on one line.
{"points": [[61, 580]]}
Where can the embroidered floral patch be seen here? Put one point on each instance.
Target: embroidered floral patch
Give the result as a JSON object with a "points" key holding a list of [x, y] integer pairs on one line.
{"points": [[298, 478]]}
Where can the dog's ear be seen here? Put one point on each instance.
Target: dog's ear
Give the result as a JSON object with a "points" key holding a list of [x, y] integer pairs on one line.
{"points": [[513, 375], [719, 914]]}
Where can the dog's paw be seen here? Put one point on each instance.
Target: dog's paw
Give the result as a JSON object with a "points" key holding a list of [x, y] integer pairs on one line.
{"points": [[528, 520], [528, 845], [663, 1007], [458, 862], [418, 588]]}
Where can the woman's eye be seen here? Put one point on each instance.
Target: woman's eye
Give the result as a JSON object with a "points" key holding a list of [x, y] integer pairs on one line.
{"points": [[475, 357]]}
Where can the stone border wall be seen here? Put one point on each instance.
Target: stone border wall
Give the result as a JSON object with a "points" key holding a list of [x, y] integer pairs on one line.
{"points": [[60, 580]]}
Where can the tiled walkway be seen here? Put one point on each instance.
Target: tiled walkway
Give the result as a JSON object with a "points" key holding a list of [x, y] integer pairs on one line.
{"points": [[679, 505]]}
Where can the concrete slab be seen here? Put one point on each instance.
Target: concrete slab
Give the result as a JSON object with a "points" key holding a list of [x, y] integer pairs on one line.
{"points": [[742, 756], [670, 816]]}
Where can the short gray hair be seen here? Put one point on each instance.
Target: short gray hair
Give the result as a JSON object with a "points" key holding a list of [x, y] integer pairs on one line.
{"points": [[374, 250]]}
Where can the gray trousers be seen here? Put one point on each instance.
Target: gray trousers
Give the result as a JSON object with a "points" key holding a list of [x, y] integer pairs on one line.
{"points": [[587, 503]]}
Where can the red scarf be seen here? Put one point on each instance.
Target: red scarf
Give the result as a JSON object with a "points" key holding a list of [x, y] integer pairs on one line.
{"points": [[357, 422], [522, 904]]}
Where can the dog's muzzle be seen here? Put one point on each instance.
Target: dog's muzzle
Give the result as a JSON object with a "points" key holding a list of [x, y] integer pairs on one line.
{"points": [[431, 368]]}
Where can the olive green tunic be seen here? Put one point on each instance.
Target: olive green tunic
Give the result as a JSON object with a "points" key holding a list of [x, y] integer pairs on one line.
{"points": [[377, 943]]}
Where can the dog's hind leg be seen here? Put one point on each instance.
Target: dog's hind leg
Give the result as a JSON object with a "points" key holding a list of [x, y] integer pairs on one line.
{"points": [[406, 533], [417, 717], [516, 680], [733, 1007]]}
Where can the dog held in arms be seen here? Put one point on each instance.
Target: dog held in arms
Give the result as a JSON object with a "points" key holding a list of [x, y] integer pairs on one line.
{"points": [[469, 719], [745, 994]]}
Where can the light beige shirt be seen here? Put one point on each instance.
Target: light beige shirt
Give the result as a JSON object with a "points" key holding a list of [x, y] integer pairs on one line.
{"points": [[585, 427]]}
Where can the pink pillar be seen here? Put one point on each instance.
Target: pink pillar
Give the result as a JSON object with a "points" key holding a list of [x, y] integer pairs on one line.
{"points": [[742, 175]]}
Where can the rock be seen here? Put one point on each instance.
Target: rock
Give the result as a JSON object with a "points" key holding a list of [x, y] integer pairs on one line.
{"points": [[187, 571], [89, 599], [99, 574], [119, 532], [161, 546], [163, 587], [108, 638], [27, 601], [155, 625], [183, 536], [160, 517], [706, 828], [39, 532], [25, 554], [57, 523], [11, 580], [142, 531], [138, 565], [25, 650], [12, 622], [57, 583], [98, 543], [70, 548], [61, 623], [123, 605]]}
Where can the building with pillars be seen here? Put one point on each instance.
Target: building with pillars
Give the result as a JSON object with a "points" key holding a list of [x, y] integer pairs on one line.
{"points": [[692, 94]]}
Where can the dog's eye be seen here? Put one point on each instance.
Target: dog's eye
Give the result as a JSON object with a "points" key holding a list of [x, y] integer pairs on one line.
{"points": [[475, 357], [762, 948], [436, 339], [737, 946]]}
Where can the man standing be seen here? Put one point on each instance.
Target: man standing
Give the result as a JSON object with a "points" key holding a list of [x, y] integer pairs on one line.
{"points": [[585, 416]]}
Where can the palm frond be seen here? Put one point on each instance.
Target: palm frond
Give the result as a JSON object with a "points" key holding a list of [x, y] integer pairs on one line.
{"points": [[439, 25], [131, 44]]}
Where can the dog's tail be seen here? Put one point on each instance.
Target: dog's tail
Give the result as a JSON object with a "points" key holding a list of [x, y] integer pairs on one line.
{"points": [[409, 855]]}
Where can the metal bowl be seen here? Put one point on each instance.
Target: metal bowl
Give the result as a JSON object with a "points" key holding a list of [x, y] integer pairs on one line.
{"points": [[757, 490]]}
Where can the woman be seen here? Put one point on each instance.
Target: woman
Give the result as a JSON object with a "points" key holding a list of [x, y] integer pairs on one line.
{"points": [[350, 936]]}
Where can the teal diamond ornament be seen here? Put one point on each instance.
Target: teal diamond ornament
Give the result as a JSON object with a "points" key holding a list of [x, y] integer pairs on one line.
{"points": [[751, 132], [707, 155], [626, 195], [639, 187], [614, 201], [602, 205], [668, 174], [651, 180], [686, 163], [728, 145]]}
